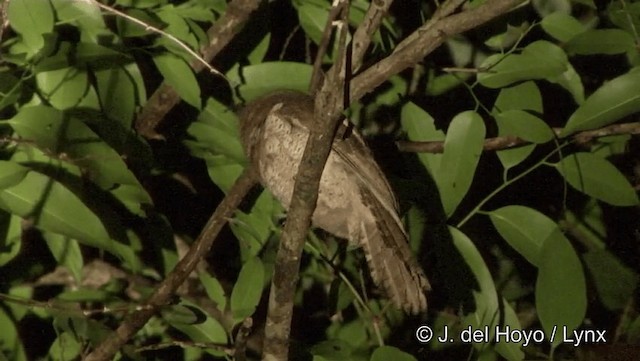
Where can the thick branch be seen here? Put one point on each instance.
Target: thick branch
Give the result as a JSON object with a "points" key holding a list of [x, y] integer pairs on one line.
{"points": [[165, 290], [328, 109], [425, 40], [505, 142], [220, 34]]}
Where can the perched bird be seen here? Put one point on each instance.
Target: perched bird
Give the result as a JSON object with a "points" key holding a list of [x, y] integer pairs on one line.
{"points": [[355, 201]]}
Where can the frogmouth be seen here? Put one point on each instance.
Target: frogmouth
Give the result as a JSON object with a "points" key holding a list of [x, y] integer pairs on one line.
{"points": [[355, 201]]}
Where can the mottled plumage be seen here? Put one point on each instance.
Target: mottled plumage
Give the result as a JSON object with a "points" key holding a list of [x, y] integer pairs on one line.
{"points": [[355, 200]]}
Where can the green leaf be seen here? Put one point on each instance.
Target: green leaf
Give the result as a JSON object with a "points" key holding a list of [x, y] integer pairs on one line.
{"points": [[420, 127], [181, 314], [525, 96], [510, 350], [65, 347], [11, 239], [601, 41], [86, 16], [313, 18], [486, 298], [332, 350], [597, 178], [386, 353], [524, 125], [247, 291], [179, 75], [614, 281], [562, 27], [209, 330], [117, 93], [561, 295], [63, 88], [52, 207], [67, 253], [462, 150], [9, 338], [31, 19], [614, 100], [264, 78], [214, 290], [217, 132], [539, 60], [525, 229]]}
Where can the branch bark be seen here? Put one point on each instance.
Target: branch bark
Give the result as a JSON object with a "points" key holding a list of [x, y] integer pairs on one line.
{"points": [[506, 142], [165, 290], [328, 110], [425, 40]]}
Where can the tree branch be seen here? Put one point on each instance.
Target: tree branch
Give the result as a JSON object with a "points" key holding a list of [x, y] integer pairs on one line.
{"points": [[363, 35], [328, 109], [506, 142], [220, 34], [165, 290], [425, 40]]}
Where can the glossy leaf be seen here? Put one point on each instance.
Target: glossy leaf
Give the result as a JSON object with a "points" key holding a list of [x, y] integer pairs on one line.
{"points": [[614, 100], [179, 75], [332, 350], [525, 229], [462, 150], [561, 295], [54, 208], [524, 125], [247, 291], [420, 127], [209, 330], [31, 19], [64, 88], [67, 253], [9, 338], [11, 239], [562, 27], [614, 280], [117, 93], [601, 41], [525, 96], [486, 298], [597, 178], [539, 60], [261, 79], [385, 353]]}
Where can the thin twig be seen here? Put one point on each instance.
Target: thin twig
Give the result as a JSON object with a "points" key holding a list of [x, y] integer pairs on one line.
{"points": [[153, 29], [165, 290], [505, 142]]}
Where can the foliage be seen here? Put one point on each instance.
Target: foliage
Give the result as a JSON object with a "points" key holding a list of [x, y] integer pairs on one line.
{"points": [[528, 228]]}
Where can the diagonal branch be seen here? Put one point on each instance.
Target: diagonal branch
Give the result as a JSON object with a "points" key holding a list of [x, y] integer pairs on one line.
{"points": [[364, 34], [165, 290], [328, 110], [220, 34], [425, 40]]}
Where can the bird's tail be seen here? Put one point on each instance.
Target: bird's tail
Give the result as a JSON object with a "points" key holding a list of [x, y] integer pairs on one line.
{"points": [[392, 265]]}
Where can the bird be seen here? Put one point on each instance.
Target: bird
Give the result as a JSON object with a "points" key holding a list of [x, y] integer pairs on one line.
{"points": [[355, 201]]}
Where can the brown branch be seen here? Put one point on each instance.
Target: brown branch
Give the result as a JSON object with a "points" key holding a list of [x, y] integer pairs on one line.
{"points": [[328, 110], [220, 34], [364, 34], [165, 290], [425, 40], [499, 143]]}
